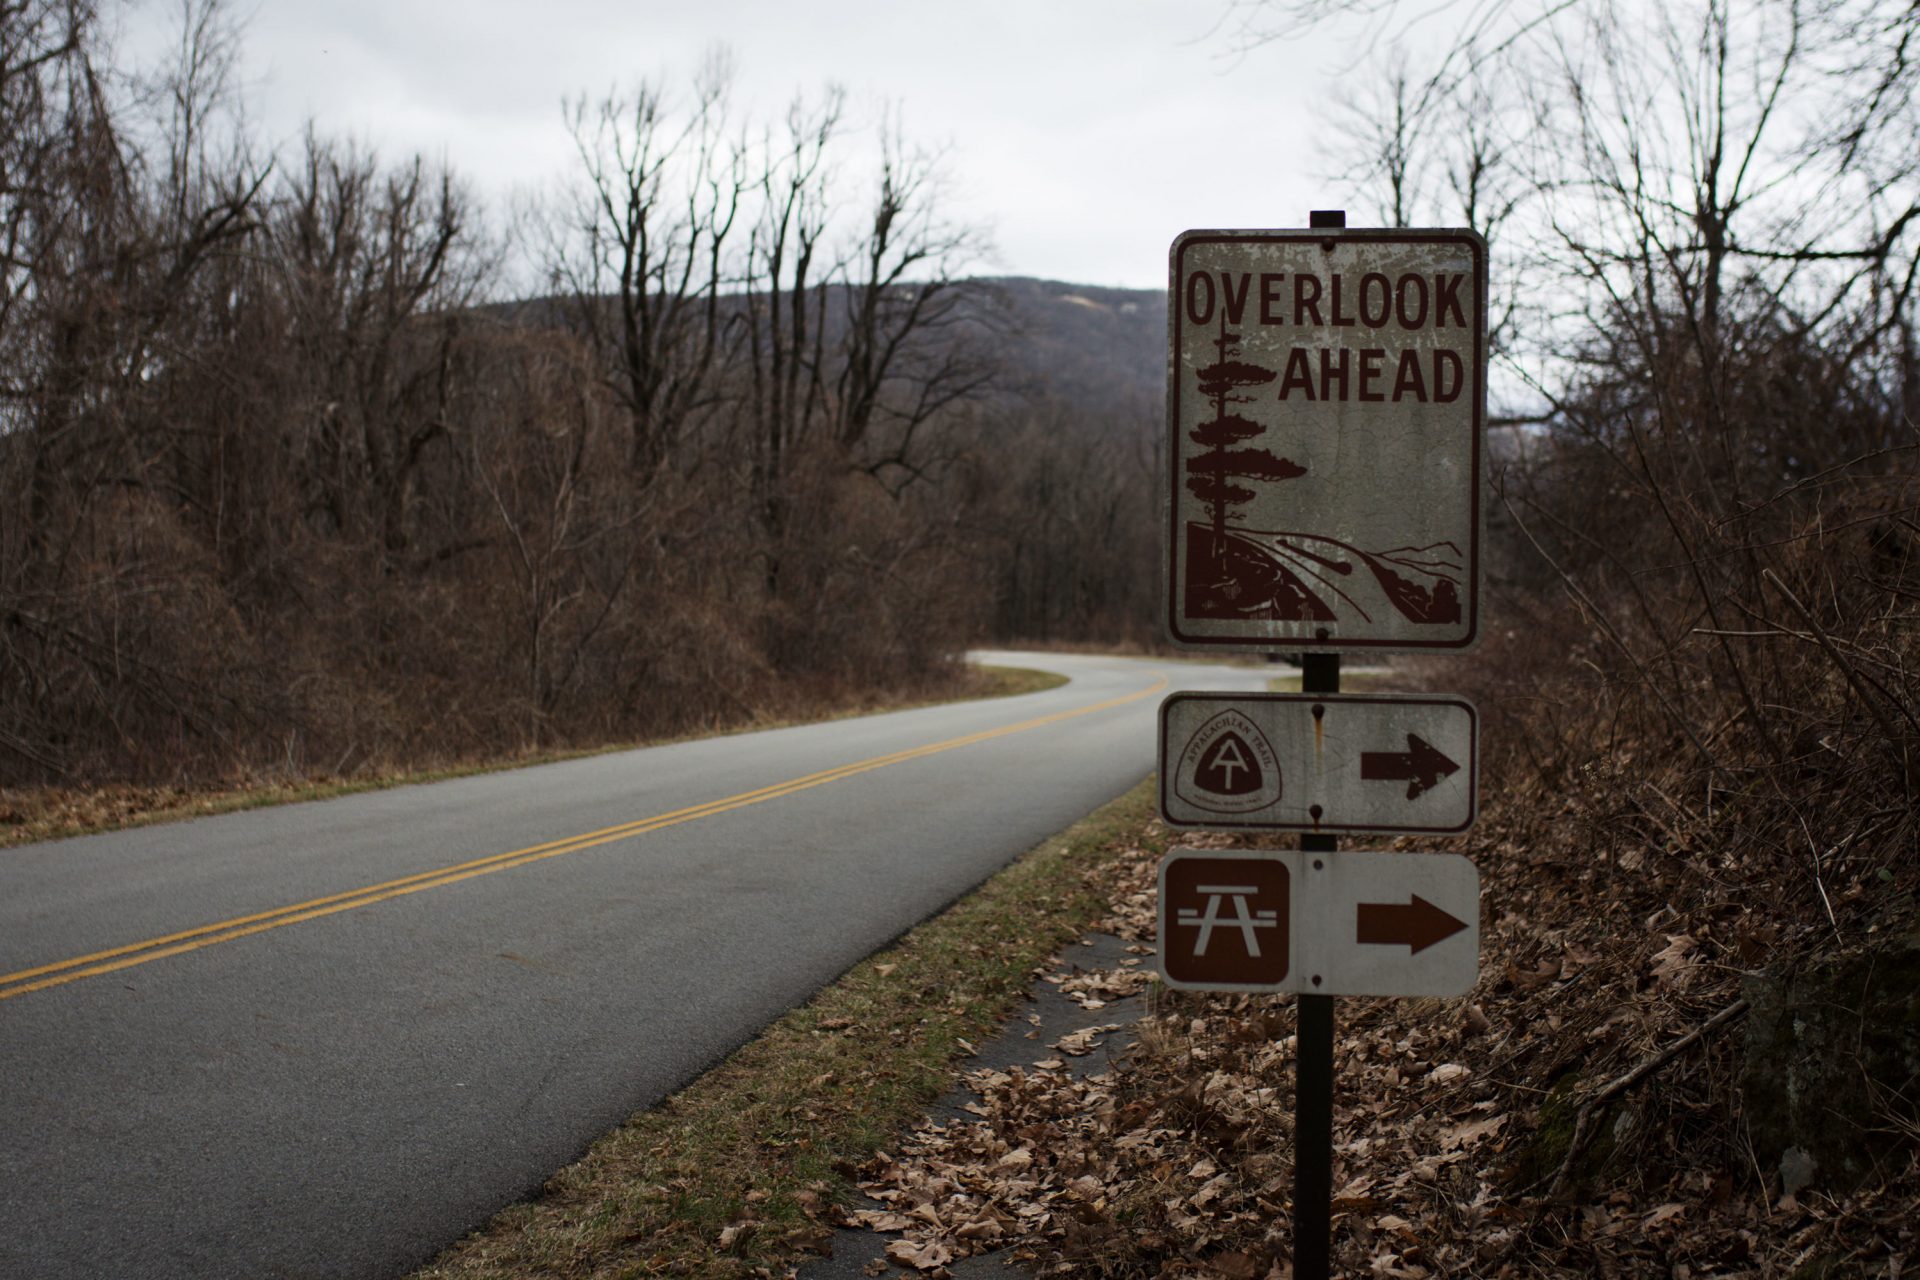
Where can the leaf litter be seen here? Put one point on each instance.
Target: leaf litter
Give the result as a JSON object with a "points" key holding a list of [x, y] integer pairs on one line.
{"points": [[1449, 1120]]}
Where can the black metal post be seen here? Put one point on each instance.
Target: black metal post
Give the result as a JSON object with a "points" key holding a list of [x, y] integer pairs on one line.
{"points": [[1313, 1040], [1313, 1072]]}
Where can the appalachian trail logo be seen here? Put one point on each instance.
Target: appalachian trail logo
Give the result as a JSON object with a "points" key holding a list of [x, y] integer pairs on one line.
{"points": [[1228, 766]]}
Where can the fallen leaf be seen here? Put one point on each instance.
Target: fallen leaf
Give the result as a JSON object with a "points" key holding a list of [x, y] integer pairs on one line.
{"points": [[1212, 1191], [1085, 1188], [1465, 1135], [1581, 955], [1530, 979], [1082, 1042], [920, 1255], [810, 1237], [1235, 1266], [1671, 967]]}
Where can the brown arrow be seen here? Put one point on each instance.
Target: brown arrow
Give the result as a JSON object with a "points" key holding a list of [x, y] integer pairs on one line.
{"points": [[1417, 924], [1420, 766]]}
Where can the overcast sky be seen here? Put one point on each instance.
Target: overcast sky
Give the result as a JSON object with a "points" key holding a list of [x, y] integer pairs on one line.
{"points": [[1085, 133]]}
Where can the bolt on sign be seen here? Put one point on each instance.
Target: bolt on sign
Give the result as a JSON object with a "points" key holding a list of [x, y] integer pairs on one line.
{"points": [[1339, 924], [1326, 405], [1319, 762]]}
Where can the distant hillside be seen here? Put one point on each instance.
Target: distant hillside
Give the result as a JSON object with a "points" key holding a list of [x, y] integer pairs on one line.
{"points": [[1104, 350], [1094, 346]]}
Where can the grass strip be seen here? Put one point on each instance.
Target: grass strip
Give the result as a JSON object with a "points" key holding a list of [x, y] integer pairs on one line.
{"points": [[1008, 682], [55, 813], [734, 1174]]}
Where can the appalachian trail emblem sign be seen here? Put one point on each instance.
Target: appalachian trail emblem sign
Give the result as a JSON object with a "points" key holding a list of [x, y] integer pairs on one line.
{"points": [[1228, 767]]}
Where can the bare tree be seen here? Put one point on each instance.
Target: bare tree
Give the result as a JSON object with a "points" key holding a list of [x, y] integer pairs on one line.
{"points": [[1713, 209], [374, 269], [1382, 137], [641, 257], [784, 301], [898, 345], [284, 483], [99, 287], [919, 335]]}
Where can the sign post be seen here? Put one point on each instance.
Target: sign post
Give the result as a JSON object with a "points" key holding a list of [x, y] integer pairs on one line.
{"points": [[1326, 398], [1313, 1064]]}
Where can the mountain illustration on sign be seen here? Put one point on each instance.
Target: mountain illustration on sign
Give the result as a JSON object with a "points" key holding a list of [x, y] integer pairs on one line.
{"points": [[1253, 575], [1306, 577]]}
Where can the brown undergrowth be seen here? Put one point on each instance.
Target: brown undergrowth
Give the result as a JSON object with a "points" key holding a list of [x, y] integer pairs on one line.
{"points": [[1451, 1121], [1659, 850]]}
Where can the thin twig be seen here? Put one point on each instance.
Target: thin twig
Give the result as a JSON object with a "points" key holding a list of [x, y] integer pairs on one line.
{"points": [[1600, 619], [1853, 677], [1819, 874], [1583, 1121]]}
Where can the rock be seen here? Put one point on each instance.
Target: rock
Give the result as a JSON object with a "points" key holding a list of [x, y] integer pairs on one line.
{"points": [[1832, 1054], [1796, 1170]]}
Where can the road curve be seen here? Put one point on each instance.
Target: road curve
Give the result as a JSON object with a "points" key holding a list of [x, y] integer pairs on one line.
{"points": [[326, 1039]]}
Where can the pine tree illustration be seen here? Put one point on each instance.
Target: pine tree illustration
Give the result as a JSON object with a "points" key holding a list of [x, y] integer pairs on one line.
{"points": [[1210, 475]]}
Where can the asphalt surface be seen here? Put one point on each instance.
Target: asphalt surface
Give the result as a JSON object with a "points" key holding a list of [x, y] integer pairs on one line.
{"points": [[419, 1003]]}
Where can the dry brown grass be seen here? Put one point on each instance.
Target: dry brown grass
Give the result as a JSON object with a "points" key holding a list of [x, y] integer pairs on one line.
{"points": [[28, 814]]}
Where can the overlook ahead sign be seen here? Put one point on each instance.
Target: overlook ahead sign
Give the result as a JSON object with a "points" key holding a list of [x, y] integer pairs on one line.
{"points": [[1326, 403]]}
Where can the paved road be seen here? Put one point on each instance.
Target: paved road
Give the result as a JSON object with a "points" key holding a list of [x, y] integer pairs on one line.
{"points": [[327, 1039]]}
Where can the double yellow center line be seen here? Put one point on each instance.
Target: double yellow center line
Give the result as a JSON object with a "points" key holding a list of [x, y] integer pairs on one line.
{"points": [[61, 972]]}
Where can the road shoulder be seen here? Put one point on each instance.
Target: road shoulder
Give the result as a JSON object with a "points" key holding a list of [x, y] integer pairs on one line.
{"points": [[746, 1169], [1074, 1027]]}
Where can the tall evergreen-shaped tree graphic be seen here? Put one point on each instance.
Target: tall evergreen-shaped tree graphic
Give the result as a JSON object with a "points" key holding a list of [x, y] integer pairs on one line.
{"points": [[1210, 475]]}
